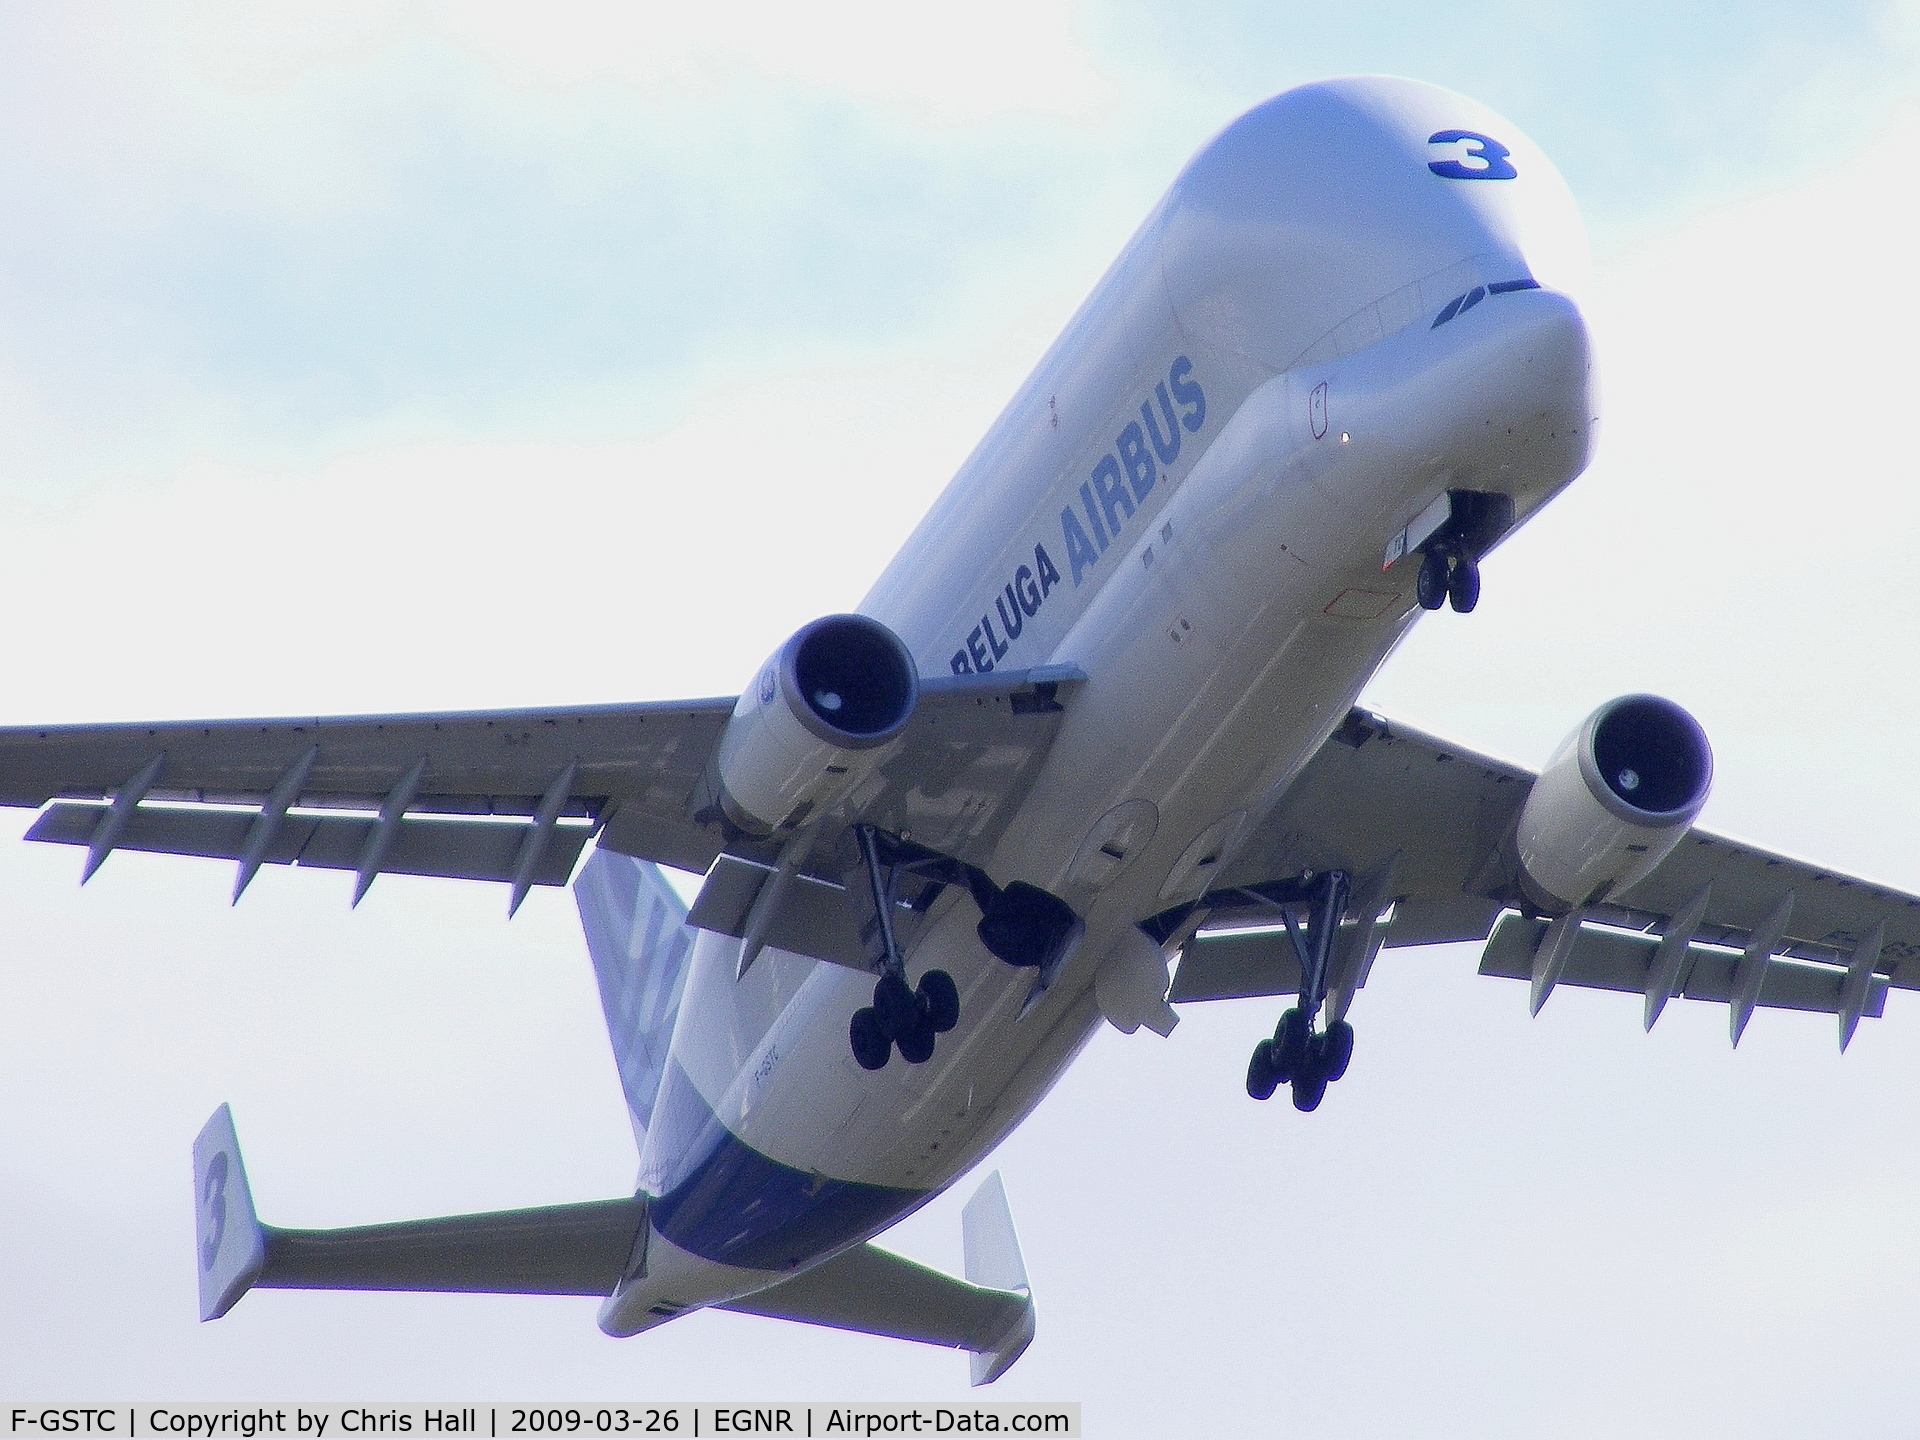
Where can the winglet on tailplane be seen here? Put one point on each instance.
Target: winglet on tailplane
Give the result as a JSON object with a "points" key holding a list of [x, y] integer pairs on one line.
{"points": [[993, 1260], [230, 1245]]}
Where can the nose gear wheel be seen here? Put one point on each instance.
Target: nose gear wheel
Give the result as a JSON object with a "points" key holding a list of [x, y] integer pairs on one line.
{"points": [[1448, 577]]}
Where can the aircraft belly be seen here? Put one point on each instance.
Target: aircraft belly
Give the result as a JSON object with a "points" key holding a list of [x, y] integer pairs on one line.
{"points": [[769, 1147]]}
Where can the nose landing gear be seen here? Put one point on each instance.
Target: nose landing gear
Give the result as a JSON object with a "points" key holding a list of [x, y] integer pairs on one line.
{"points": [[1298, 1055], [1448, 576], [1450, 555]]}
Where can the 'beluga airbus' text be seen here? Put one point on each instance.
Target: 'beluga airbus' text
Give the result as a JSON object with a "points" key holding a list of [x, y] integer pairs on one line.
{"points": [[1088, 751]]}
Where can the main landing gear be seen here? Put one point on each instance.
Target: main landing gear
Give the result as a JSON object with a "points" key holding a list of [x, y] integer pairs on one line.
{"points": [[1020, 924], [1448, 575], [901, 1015], [1298, 1055], [904, 1016]]}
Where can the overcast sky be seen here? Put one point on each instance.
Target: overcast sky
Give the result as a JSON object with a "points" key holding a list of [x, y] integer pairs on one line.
{"points": [[375, 357]]}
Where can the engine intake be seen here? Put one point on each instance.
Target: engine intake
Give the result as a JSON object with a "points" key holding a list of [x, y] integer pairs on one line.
{"points": [[1613, 802], [815, 721]]}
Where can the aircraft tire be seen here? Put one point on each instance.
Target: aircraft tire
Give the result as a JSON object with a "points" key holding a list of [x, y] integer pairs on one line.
{"points": [[1463, 587], [1308, 1090], [871, 1048], [1289, 1046], [1261, 1081], [894, 1006], [939, 1001], [1336, 1050], [916, 1046], [1431, 586]]}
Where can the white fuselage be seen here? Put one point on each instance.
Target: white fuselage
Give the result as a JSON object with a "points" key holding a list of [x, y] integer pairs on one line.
{"points": [[1191, 500]]}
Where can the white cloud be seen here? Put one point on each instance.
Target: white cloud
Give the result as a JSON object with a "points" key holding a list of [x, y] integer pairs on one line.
{"points": [[954, 65], [445, 574], [267, 240]]}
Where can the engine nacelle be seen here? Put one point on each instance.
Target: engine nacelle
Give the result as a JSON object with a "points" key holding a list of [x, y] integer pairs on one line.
{"points": [[815, 720], [1614, 800]]}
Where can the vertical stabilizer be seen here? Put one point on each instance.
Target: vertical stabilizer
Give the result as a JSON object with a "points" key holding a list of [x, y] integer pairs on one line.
{"points": [[638, 938]]}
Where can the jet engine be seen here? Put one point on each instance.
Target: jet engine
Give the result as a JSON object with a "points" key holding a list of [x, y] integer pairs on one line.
{"points": [[1614, 800], [815, 720]]}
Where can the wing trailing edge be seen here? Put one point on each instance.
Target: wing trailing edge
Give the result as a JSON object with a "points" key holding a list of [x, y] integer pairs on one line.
{"points": [[1599, 957], [379, 793], [477, 849]]}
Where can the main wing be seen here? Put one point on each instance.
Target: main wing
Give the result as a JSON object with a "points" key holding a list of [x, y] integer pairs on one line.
{"points": [[1425, 828], [503, 795]]}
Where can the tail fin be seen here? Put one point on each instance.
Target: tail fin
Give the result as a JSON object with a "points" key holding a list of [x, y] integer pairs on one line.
{"points": [[638, 938]]}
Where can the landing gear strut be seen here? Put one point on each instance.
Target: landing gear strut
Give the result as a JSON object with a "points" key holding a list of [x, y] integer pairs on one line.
{"points": [[1298, 1055], [901, 1015]]}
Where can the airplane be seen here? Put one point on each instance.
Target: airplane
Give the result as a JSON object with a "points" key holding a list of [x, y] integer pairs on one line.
{"points": [[1089, 750]]}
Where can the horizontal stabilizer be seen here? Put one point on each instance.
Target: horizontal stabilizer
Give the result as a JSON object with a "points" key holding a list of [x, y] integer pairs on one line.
{"points": [[877, 1292], [581, 1249], [555, 1250], [452, 849]]}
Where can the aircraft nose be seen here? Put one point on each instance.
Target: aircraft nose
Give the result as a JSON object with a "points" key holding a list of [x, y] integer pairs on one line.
{"points": [[1512, 382], [1495, 392]]}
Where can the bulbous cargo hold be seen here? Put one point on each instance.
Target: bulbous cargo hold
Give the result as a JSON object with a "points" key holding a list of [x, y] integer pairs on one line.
{"points": [[816, 719], [1614, 800]]}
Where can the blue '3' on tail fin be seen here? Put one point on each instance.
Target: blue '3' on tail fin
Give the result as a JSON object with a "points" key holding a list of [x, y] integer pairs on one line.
{"points": [[637, 935]]}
